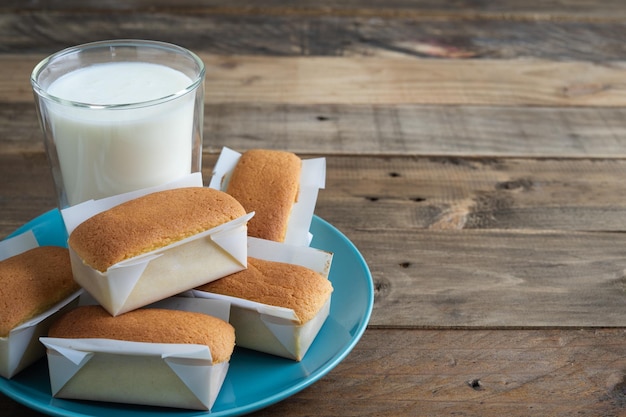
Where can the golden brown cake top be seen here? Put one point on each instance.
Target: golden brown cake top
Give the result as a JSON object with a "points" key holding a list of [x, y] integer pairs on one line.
{"points": [[278, 284], [266, 182], [149, 223], [31, 283], [149, 325]]}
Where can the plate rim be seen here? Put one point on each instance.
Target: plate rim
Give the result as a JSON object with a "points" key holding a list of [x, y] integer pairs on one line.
{"points": [[259, 404]]}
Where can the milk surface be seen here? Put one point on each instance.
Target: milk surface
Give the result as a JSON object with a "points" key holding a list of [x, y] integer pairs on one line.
{"points": [[108, 151], [119, 83]]}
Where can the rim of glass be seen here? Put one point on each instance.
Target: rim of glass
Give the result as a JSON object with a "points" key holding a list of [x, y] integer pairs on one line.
{"points": [[41, 91]]}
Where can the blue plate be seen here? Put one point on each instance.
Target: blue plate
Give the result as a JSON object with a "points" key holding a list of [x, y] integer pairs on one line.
{"points": [[255, 380]]}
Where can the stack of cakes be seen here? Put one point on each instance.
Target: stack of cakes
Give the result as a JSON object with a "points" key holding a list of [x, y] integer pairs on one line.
{"points": [[243, 247], [127, 257], [280, 302]]}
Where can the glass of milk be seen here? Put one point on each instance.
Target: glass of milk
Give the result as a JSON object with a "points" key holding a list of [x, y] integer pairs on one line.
{"points": [[119, 115]]}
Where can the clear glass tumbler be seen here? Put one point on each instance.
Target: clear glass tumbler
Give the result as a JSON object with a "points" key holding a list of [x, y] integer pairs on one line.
{"points": [[119, 115]]}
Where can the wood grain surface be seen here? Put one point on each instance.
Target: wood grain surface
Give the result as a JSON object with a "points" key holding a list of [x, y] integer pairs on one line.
{"points": [[395, 130], [384, 81], [475, 156]]}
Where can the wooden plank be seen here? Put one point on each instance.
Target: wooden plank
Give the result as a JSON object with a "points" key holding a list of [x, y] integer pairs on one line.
{"points": [[470, 373], [422, 130], [463, 193], [473, 373], [377, 81], [295, 35], [19, 128], [495, 279], [414, 129], [26, 190], [533, 9], [322, 80], [412, 193]]}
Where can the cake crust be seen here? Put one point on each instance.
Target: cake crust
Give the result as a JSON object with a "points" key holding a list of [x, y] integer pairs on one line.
{"points": [[278, 284], [267, 182], [151, 222], [149, 325], [32, 282]]}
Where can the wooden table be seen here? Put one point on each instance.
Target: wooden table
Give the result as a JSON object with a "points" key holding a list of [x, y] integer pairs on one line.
{"points": [[475, 156]]}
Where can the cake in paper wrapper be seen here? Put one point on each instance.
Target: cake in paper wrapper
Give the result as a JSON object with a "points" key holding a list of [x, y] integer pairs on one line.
{"points": [[156, 245], [166, 356], [280, 302], [36, 284], [279, 187]]}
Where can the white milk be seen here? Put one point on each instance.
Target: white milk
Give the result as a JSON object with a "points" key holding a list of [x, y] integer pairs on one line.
{"points": [[104, 152]]}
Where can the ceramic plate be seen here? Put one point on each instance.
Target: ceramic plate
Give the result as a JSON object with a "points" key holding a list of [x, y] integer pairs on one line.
{"points": [[255, 380]]}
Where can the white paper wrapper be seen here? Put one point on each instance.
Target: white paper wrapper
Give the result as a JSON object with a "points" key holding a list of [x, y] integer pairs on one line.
{"points": [[271, 329], [167, 375], [21, 347], [17, 244], [162, 273], [312, 178]]}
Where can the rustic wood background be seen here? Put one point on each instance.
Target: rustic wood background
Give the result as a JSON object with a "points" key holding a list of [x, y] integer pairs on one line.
{"points": [[476, 157]]}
